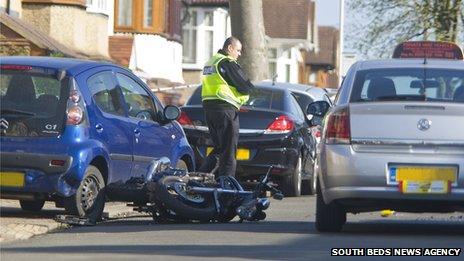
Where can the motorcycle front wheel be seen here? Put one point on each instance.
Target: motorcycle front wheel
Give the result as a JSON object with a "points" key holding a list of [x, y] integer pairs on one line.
{"points": [[171, 191]]}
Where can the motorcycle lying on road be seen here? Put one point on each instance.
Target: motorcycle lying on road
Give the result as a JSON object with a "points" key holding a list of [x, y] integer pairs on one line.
{"points": [[194, 196], [178, 195]]}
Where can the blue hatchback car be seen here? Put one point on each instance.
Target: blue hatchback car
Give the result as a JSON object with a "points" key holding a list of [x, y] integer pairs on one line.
{"points": [[80, 132]]}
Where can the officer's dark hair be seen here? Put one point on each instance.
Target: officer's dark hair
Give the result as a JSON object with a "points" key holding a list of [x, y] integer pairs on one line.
{"points": [[229, 41]]}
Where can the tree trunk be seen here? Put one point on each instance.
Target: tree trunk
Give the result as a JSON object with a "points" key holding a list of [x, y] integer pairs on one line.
{"points": [[247, 25]]}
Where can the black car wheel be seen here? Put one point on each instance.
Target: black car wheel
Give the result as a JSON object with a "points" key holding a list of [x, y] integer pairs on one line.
{"points": [[308, 186], [34, 206], [329, 217], [313, 184], [89, 200], [291, 185]]}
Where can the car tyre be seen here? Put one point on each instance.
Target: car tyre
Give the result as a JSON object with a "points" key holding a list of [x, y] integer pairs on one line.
{"points": [[181, 164], [313, 184], [291, 185], [329, 217], [309, 185], [89, 200], [33, 206]]}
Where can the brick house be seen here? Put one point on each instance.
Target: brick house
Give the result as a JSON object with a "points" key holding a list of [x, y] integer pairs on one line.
{"points": [[20, 38], [67, 22], [146, 38], [322, 65], [289, 27]]}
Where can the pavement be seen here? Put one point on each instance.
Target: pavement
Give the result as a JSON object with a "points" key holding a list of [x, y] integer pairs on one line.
{"points": [[16, 224]]}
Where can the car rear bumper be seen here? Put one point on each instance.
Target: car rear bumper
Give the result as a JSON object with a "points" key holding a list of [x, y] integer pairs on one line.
{"points": [[348, 172], [283, 159], [49, 166], [41, 174], [265, 151]]}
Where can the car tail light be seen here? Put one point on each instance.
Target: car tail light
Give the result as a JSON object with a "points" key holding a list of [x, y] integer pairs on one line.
{"points": [[282, 124], [337, 129], [316, 131], [16, 67], [75, 115], [185, 120], [75, 112]]}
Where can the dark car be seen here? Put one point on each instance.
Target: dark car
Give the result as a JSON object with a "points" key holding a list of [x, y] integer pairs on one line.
{"points": [[77, 132], [273, 131]]}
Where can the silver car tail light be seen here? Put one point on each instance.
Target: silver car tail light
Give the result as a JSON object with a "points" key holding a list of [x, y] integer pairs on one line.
{"points": [[337, 129]]}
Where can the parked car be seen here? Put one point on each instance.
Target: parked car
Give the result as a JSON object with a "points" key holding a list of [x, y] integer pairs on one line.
{"points": [[78, 132], [395, 137], [305, 95], [273, 130]]}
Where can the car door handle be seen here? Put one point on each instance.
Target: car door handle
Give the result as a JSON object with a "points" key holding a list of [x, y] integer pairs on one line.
{"points": [[137, 132], [99, 128]]}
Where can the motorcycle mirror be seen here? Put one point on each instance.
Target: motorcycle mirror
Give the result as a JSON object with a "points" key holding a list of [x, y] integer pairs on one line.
{"points": [[278, 196]]}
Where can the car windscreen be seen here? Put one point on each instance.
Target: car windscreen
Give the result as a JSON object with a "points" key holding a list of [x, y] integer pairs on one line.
{"points": [[262, 98], [32, 103], [409, 84]]}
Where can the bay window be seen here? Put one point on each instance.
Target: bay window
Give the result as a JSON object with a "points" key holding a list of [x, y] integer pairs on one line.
{"points": [[140, 16]]}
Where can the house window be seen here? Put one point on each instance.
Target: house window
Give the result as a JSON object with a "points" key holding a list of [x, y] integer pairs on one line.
{"points": [[288, 54], [97, 6], [147, 13], [136, 16], [272, 58], [125, 13], [202, 35], [287, 72], [208, 24], [286, 60], [189, 38]]}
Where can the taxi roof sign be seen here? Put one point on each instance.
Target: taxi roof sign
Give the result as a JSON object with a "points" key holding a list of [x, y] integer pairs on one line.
{"points": [[428, 49]]}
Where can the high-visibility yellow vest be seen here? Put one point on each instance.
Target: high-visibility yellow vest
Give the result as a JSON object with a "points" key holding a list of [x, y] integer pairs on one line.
{"points": [[214, 87]]}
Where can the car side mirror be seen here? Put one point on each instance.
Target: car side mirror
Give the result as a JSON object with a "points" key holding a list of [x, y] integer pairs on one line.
{"points": [[318, 108], [171, 112]]}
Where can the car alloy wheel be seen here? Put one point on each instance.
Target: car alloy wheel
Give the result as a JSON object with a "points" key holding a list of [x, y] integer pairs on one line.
{"points": [[90, 189], [89, 200]]}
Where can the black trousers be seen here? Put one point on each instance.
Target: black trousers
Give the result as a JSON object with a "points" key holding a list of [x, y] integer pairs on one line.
{"points": [[223, 127]]}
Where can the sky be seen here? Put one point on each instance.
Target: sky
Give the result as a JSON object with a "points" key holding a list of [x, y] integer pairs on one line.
{"points": [[328, 12]]}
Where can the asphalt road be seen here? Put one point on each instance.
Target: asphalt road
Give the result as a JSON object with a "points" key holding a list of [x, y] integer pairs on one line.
{"points": [[287, 234]]}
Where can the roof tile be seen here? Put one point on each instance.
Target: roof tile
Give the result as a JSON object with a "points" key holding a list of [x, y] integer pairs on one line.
{"points": [[287, 19]]}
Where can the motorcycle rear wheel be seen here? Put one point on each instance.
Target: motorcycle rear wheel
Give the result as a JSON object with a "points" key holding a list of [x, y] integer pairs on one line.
{"points": [[192, 208]]}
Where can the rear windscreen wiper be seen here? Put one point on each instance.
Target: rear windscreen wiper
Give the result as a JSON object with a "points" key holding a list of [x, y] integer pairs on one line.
{"points": [[17, 112]]}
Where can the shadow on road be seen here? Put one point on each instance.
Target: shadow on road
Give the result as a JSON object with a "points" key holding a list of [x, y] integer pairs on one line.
{"points": [[371, 227], [14, 212]]}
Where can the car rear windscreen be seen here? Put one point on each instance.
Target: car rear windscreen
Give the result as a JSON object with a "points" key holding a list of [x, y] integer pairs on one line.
{"points": [[32, 104], [261, 98], [406, 84]]}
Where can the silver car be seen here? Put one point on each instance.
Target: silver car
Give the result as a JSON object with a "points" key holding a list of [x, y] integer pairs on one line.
{"points": [[393, 140]]}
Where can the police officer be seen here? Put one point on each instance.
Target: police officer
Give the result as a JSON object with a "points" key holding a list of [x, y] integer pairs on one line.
{"points": [[224, 89]]}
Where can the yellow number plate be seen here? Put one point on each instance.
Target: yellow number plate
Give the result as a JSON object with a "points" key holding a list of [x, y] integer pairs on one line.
{"points": [[426, 180], [424, 187], [242, 154], [426, 173], [12, 179]]}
